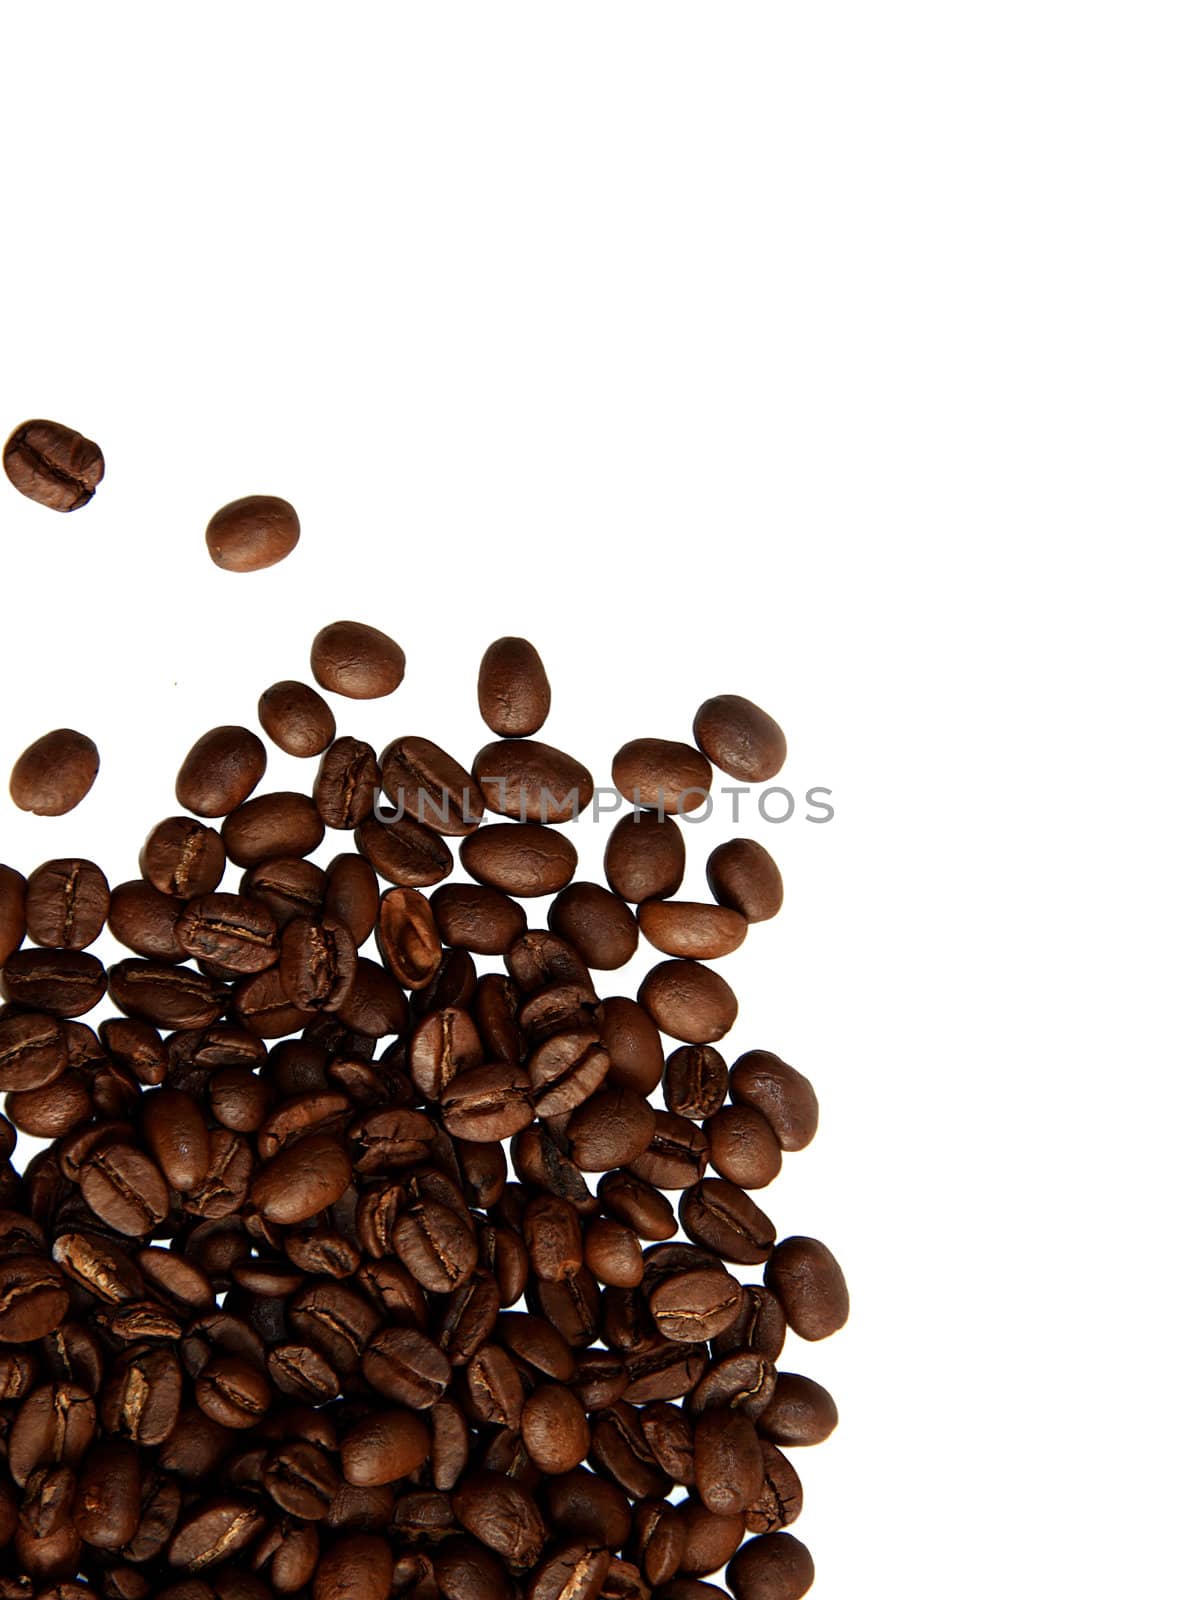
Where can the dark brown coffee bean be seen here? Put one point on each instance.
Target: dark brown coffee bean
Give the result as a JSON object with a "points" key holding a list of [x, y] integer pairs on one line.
{"points": [[53, 464], [502, 1516], [691, 929], [404, 853], [633, 1044], [696, 1305], [352, 896], [709, 1537], [385, 1446], [638, 1205], [214, 1531], [532, 782], [610, 1130], [784, 1096], [54, 774], [231, 931], [676, 1156], [599, 925], [743, 1147], [407, 937], [358, 1567], [404, 1365], [33, 1298], [183, 858], [270, 826], [33, 1051], [108, 1499], [12, 912], [66, 903], [743, 875], [175, 1131], [662, 775], [303, 1373], [740, 738], [520, 858], [540, 959], [801, 1412], [296, 718], [222, 769], [781, 1499], [584, 1505], [487, 1103], [356, 660], [645, 857], [175, 1279], [301, 1480], [55, 1425], [741, 1382], [375, 1005], [265, 1009], [723, 1219], [317, 964], [477, 918], [809, 1282], [302, 1180], [436, 1244], [430, 787], [565, 1070], [492, 1392], [99, 1266], [125, 1190], [346, 784], [760, 1328], [613, 1254], [514, 692], [775, 1567], [65, 983], [53, 1110], [168, 997], [553, 1237], [288, 887], [554, 1428], [695, 1082], [444, 1044], [689, 1001], [143, 919], [253, 533], [572, 1572], [233, 1392]]}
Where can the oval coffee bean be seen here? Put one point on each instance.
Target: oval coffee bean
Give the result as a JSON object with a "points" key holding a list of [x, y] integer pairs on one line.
{"points": [[694, 1306], [689, 1001], [52, 464], [740, 738], [182, 857], [407, 937], [520, 858], [253, 533], [296, 718], [743, 1148], [33, 1298], [690, 928], [168, 997], [784, 1096], [66, 904], [775, 1567], [477, 918], [346, 784], [351, 896], [384, 1447], [743, 875], [696, 1081], [175, 1130], [125, 1190], [801, 1412], [356, 660], [108, 1498], [532, 782], [502, 1515], [610, 1130], [143, 919], [599, 925], [407, 1367], [223, 768], [54, 774], [722, 1218], [271, 825], [645, 857], [809, 1283], [513, 690], [430, 787], [302, 1180], [554, 1429], [662, 775], [317, 964], [33, 1052], [404, 852], [357, 1567], [12, 911], [230, 930], [487, 1103], [66, 983], [729, 1468]]}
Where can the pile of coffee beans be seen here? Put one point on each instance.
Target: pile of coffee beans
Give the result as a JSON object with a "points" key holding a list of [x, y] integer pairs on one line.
{"points": [[375, 1247]]}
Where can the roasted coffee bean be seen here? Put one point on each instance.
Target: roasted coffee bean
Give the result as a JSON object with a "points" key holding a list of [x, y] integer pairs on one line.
{"points": [[688, 928], [125, 1190], [676, 1155], [553, 1237], [66, 903], [742, 875], [662, 775], [554, 1428], [175, 1131], [233, 1392], [55, 1425], [637, 1204], [183, 858], [487, 1103], [385, 1446], [584, 1505], [12, 911], [645, 857], [436, 1244], [610, 1130], [741, 1382], [33, 1298], [502, 1516], [317, 964], [375, 1005], [407, 937], [65, 983], [352, 896], [258, 531], [783, 1096], [356, 660], [697, 1304], [540, 959], [725, 1220], [443, 1044], [532, 782], [775, 1567], [430, 787], [657, 1540], [780, 1500], [599, 925], [270, 826], [612, 1253], [358, 1567], [302, 1373], [301, 1180], [346, 784], [33, 1051], [710, 1537], [404, 852], [55, 773], [740, 738], [514, 692], [520, 858], [565, 1069], [53, 464], [743, 1147], [477, 918], [222, 769], [168, 997], [231, 931], [689, 1001], [801, 1412], [696, 1082], [809, 1283], [296, 718], [288, 887], [760, 1328], [213, 1531], [633, 1045], [143, 919], [407, 1367], [53, 1110]]}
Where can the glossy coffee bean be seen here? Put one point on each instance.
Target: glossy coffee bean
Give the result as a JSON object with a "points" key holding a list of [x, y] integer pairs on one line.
{"points": [[143, 919], [177, 1136], [302, 1180], [269, 826], [513, 690], [346, 784], [808, 1281], [66, 904], [529, 781], [33, 1298], [696, 1305], [724, 1219], [182, 858], [691, 929], [597, 924], [167, 996], [407, 936], [404, 852], [385, 1446], [662, 775], [12, 911], [740, 738], [65, 983], [250, 534], [356, 660], [520, 858], [33, 1051], [611, 1129], [487, 1103], [501, 1515], [645, 857], [775, 1567], [782, 1095], [695, 1082], [295, 717], [743, 875], [689, 1001], [222, 769], [318, 962], [430, 786], [53, 464], [125, 1190], [743, 1147], [477, 918], [801, 1412], [54, 774]]}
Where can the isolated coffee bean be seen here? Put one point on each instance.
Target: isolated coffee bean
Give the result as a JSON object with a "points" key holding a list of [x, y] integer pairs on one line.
{"points": [[296, 718], [689, 1001], [645, 857], [775, 1567], [513, 690], [742, 875], [691, 929], [222, 769], [53, 464], [740, 738], [662, 775], [782, 1095], [532, 782], [250, 534], [809, 1283], [520, 858], [54, 774], [356, 660], [66, 903]]}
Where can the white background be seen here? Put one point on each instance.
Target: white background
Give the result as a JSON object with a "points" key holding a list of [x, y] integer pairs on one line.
{"points": [[845, 357]]}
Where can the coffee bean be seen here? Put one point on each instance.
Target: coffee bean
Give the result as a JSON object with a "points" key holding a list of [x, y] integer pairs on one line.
{"points": [[66, 903], [214, 1531], [302, 1373], [270, 826], [599, 925], [222, 769], [782, 1095], [740, 738], [356, 660], [691, 929], [175, 1131], [725, 1220], [775, 1567], [696, 1081], [168, 997], [125, 1189], [143, 919], [638, 1205], [233, 1391], [351, 896], [554, 1429], [404, 852], [296, 718], [183, 858], [696, 1305], [406, 1367], [645, 857], [12, 912], [809, 1283], [358, 1567], [743, 1147], [386, 1446], [689, 1001], [65, 983], [743, 875], [514, 692], [801, 1412], [610, 1130], [317, 964], [663, 775], [430, 787], [33, 1051], [250, 534], [520, 858], [487, 1103], [53, 465], [501, 1515], [231, 931], [288, 887], [54, 774], [408, 938], [346, 784], [302, 1180], [33, 1298], [477, 918], [532, 782]]}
